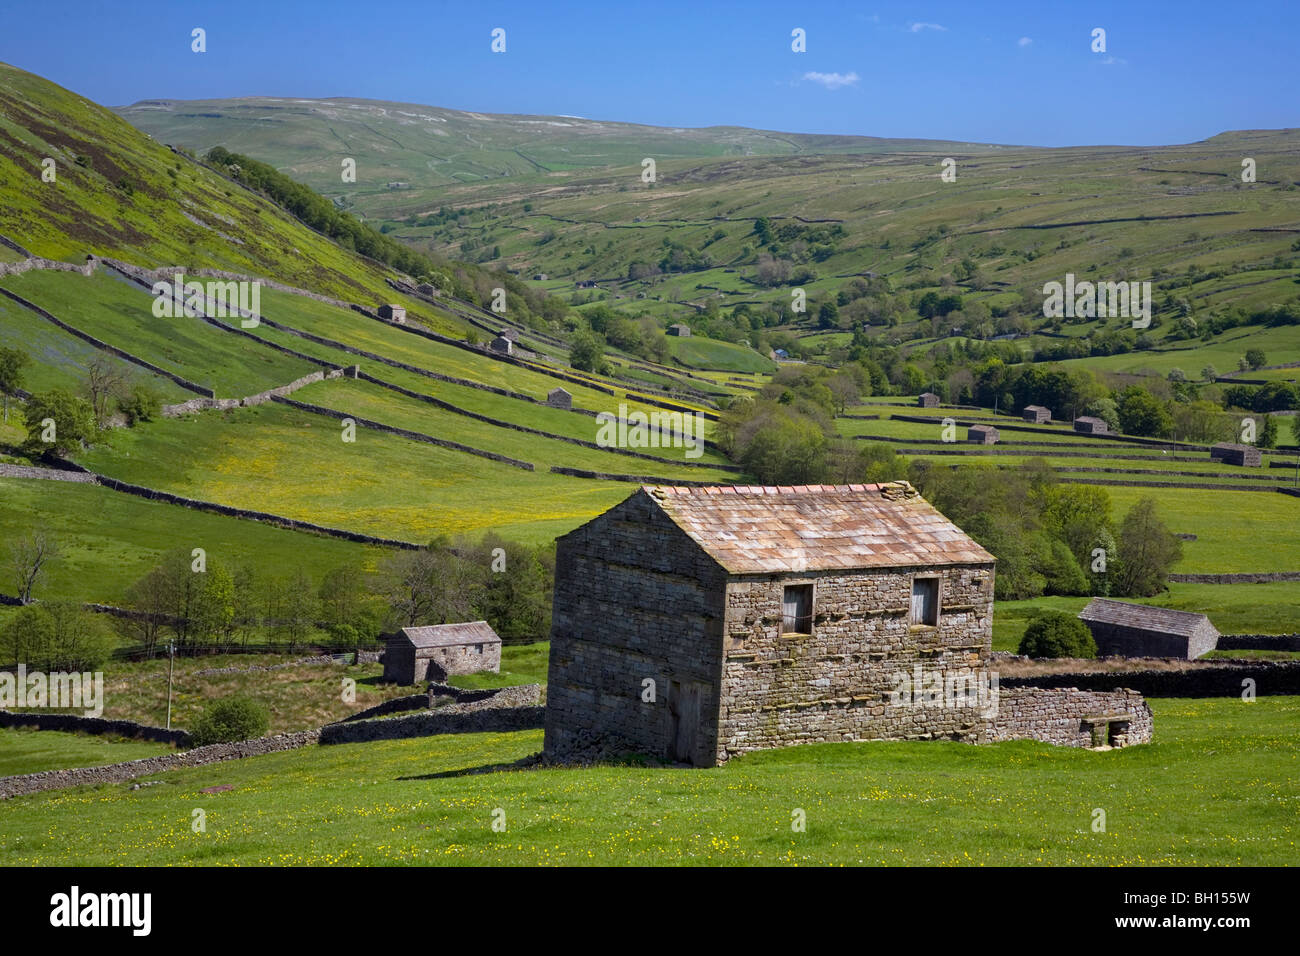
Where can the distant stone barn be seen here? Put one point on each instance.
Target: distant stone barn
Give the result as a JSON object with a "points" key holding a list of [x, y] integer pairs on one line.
{"points": [[1037, 414], [695, 624], [502, 344], [511, 334], [982, 435], [434, 652], [393, 313], [1088, 425], [679, 329], [1234, 454], [927, 400], [1122, 629], [559, 398]]}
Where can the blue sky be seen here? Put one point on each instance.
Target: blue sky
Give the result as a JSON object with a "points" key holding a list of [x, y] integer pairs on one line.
{"points": [[1006, 72]]}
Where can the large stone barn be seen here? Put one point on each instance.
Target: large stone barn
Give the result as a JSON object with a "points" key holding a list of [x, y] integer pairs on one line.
{"points": [[1037, 414], [694, 624], [1233, 454], [1139, 630], [436, 651]]}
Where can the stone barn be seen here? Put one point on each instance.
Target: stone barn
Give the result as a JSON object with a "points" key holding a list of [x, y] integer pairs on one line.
{"points": [[1234, 454], [1138, 630], [1037, 414], [982, 435], [927, 400], [694, 624], [393, 313], [1091, 426], [511, 334], [559, 398], [680, 330], [434, 652], [502, 344]]}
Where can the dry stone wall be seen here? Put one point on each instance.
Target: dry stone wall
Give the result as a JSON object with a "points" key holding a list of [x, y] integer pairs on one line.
{"points": [[1069, 717], [98, 726]]}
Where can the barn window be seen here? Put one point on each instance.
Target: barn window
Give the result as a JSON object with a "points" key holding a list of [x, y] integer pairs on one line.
{"points": [[925, 601], [796, 609], [478, 648]]}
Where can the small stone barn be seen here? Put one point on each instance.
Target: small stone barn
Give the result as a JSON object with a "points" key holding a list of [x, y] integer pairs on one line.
{"points": [[694, 624], [560, 398], [502, 344], [393, 313], [679, 329], [511, 334], [1138, 630], [434, 652], [927, 400], [1091, 426], [1234, 454], [982, 435], [1037, 414]]}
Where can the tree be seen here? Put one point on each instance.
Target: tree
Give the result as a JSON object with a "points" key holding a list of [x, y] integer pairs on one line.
{"points": [[586, 351], [1147, 552], [29, 555], [140, 404], [1267, 433], [345, 606], [1141, 413], [230, 719], [298, 608], [828, 316], [12, 363], [1209, 373], [1057, 634], [72, 418], [1255, 358], [433, 585], [104, 379]]}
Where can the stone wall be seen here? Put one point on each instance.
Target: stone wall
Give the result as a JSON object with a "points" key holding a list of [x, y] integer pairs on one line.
{"points": [[835, 683], [46, 474], [222, 404], [1259, 642], [634, 479], [1067, 717], [1227, 679], [147, 766], [635, 600], [98, 726], [1249, 577]]}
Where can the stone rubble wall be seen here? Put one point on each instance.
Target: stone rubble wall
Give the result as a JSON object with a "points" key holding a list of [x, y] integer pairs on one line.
{"points": [[147, 766], [99, 726], [222, 404], [46, 474], [1063, 717], [1226, 679]]}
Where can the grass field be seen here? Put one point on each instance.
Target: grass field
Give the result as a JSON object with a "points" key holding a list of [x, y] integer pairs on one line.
{"points": [[30, 751], [934, 803]]}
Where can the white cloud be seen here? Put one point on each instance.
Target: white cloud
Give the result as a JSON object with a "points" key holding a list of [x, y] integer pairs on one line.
{"points": [[1024, 41], [1112, 61], [918, 27], [832, 81]]}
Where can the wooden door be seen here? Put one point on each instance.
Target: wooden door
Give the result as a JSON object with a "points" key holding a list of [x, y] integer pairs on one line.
{"points": [[684, 706]]}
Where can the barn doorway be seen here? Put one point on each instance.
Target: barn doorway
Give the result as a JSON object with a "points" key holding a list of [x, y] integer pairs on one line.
{"points": [[684, 709]]}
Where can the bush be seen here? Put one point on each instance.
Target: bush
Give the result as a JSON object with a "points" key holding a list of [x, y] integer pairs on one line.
{"points": [[231, 719], [1057, 634]]}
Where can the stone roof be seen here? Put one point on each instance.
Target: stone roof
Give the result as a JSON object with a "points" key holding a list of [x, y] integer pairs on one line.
{"points": [[983, 429], [1145, 618], [1036, 408], [1091, 420], [764, 529], [450, 635]]}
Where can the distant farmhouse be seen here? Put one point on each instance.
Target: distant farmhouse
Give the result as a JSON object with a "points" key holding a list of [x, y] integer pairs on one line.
{"points": [[1234, 454], [1138, 630], [697, 623], [927, 400], [1091, 426], [982, 435], [1037, 414], [434, 652], [560, 398], [393, 313], [679, 329]]}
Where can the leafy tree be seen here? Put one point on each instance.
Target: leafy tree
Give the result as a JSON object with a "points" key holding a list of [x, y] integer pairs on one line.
{"points": [[1141, 413], [586, 351], [230, 719], [347, 609], [12, 363], [73, 418], [140, 404], [1255, 358], [1147, 552], [1058, 634], [1267, 433]]}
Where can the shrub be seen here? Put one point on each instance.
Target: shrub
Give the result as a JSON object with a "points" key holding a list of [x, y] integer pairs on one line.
{"points": [[1057, 634], [231, 719]]}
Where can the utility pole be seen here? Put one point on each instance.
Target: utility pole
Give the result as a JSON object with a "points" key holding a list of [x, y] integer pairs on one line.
{"points": [[171, 667]]}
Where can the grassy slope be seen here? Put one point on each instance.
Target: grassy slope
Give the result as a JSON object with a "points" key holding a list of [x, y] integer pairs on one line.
{"points": [[30, 751], [404, 802]]}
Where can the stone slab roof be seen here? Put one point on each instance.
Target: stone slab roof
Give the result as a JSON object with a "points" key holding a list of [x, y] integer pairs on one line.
{"points": [[450, 635], [766, 529], [1090, 420], [1146, 618]]}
